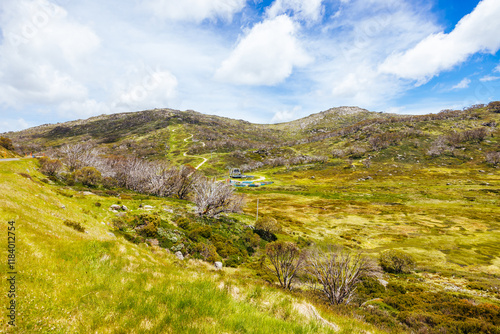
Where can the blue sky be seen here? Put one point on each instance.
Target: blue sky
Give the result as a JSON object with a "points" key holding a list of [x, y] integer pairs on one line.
{"points": [[262, 61]]}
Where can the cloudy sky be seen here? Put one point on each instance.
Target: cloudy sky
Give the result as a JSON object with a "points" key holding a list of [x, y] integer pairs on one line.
{"points": [[259, 60]]}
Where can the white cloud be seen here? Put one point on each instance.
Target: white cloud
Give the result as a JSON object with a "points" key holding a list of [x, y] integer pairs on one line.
{"points": [[13, 125], [41, 50], [476, 32], [310, 10], [488, 78], [462, 84], [195, 10], [286, 115], [153, 91], [354, 44], [497, 69], [266, 55]]}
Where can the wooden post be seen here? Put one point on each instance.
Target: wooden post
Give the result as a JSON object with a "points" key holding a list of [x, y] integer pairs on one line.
{"points": [[257, 218]]}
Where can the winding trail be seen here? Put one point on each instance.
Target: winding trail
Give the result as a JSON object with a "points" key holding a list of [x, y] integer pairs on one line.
{"points": [[194, 156], [10, 159]]}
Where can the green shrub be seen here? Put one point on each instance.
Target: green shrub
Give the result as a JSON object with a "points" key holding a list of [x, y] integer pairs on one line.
{"points": [[183, 223], [397, 262], [74, 225], [206, 252], [233, 261], [200, 232], [88, 176], [147, 224], [6, 143]]}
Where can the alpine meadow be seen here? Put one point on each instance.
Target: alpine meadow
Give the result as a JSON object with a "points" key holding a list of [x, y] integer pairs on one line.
{"points": [[250, 167], [345, 221]]}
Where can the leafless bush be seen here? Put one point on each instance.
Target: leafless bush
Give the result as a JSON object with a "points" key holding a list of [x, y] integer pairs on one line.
{"points": [[438, 147], [493, 158], [79, 155], [338, 153], [475, 136], [338, 273], [286, 259], [49, 166], [213, 198], [186, 178]]}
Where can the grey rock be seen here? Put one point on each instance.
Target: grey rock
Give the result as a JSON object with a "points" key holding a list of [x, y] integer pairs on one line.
{"points": [[115, 207], [124, 208], [111, 234], [179, 255], [218, 265], [63, 206], [147, 207], [383, 282]]}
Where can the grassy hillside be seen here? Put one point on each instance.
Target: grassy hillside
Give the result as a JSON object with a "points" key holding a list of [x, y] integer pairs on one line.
{"points": [[93, 281], [426, 185]]}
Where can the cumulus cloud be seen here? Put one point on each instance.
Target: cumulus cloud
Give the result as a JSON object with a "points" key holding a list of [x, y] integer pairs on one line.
{"points": [[488, 78], [152, 91], [41, 49], [462, 84], [286, 115], [476, 32], [310, 10], [14, 124], [266, 55], [195, 10]]}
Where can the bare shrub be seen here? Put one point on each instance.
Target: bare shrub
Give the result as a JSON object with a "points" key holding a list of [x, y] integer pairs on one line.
{"points": [[474, 136], [438, 147], [493, 158], [286, 259], [338, 153], [78, 155], [338, 273], [49, 166], [213, 198]]}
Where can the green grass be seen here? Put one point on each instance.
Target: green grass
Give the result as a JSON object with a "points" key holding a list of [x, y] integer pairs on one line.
{"points": [[74, 282]]}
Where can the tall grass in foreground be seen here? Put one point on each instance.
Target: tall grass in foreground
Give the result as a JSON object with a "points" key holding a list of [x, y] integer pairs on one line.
{"points": [[73, 282]]}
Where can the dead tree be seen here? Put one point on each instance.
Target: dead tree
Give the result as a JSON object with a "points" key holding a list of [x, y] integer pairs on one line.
{"points": [[286, 260], [338, 273], [213, 198]]}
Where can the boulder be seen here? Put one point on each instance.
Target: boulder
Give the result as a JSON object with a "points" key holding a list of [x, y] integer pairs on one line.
{"points": [[124, 208], [115, 207], [179, 255], [218, 265], [148, 207]]}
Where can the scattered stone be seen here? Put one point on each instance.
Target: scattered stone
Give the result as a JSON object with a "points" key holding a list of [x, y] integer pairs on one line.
{"points": [[120, 214], [168, 210], [179, 255], [63, 206], [124, 208], [218, 265], [383, 282], [448, 184], [313, 177], [147, 207], [87, 232], [153, 242], [87, 193], [103, 223], [111, 234], [481, 171], [115, 207]]}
